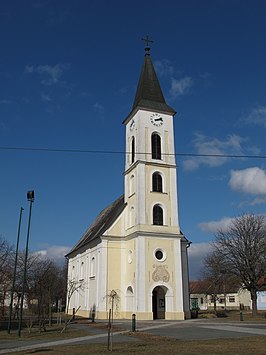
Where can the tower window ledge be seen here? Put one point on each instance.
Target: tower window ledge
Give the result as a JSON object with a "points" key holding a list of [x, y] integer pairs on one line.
{"points": [[160, 225], [158, 192], [92, 277]]}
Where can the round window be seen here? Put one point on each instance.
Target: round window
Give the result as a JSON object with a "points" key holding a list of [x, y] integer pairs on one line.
{"points": [[159, 254]]}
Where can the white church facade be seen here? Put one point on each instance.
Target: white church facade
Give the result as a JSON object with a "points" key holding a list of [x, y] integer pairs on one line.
{"points": [[135, 246]]}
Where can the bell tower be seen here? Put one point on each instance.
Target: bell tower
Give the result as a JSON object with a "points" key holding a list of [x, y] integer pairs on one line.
{"points": [[150, 168], [156, 272]]}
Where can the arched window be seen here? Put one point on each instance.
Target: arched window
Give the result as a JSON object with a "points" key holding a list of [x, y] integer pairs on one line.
{"points": [[157, 215], [82, 271], [129, 299], [157, 182], [92, 273], [132, 150], [156, 146]]}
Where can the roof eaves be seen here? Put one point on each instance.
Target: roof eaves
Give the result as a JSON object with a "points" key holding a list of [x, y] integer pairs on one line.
{"points": [[102, 222]]}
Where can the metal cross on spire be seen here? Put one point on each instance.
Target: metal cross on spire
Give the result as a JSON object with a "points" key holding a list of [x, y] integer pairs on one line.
{"points": [[147, 40]]}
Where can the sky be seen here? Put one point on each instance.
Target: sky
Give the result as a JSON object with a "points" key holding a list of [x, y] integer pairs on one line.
{"points": [[68, 77]]}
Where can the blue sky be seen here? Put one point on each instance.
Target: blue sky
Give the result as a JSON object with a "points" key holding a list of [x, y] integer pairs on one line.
{"points": [[68, 76]]}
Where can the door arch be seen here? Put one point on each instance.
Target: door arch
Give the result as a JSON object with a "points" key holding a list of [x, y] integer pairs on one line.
{"points": [[158, 302]]}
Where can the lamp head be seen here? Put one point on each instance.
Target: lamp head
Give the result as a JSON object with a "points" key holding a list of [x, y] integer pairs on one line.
{"points": [[30, 196]]}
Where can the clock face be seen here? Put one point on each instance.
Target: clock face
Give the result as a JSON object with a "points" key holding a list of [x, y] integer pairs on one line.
{"points": [[156, 119], [132, 125]]}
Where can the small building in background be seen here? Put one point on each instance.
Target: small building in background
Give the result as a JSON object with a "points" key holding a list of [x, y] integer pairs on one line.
{"points": [[202, 297], [261, 295], [261, 300]]}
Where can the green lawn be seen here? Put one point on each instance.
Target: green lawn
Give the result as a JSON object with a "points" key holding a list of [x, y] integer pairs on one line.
{"points": [[147, 343], [157, 345]]}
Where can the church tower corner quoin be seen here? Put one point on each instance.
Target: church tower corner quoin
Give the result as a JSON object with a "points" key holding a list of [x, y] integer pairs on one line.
{"points": [[135, 248]]}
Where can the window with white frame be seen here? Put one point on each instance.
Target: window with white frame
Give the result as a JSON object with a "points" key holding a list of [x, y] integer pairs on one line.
{"points": [[82, 270], [156, 149], [157, 215], [157, 182], [92, 268]]}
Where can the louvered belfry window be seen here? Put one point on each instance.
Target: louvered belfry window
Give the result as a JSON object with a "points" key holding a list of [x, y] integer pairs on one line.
{"points": [[156, 146], [157, 182], [157, 215]]}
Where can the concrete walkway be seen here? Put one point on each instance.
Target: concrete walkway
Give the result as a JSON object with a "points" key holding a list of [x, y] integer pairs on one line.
{"points": [[183, 330]]}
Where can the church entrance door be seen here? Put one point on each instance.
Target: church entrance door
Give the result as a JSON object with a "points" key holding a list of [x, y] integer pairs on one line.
{"points": [[158, 303]]}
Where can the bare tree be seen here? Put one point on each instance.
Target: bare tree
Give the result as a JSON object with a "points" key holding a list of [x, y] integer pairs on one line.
{"points": [[241, 250], [6, 260], [42, 283], [218, 277], [45, 285], [113, 298], [5, 253], [73, 286]]}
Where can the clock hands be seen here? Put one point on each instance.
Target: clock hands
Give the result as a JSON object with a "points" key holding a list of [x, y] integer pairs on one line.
{"points": [[156, 119]]}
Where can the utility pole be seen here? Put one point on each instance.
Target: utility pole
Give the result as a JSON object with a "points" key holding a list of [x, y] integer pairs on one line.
{"points": [[30, 197], [14, 274]]}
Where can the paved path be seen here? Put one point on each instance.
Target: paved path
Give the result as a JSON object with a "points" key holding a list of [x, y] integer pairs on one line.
{"points": [[183, 330]]}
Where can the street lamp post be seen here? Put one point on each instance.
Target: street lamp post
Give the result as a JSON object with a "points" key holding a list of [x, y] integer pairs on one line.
{"points": [[14, 273], [30, 197]]}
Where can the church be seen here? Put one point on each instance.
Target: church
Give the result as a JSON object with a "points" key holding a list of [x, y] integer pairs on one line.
{"points": [[135, 250]]}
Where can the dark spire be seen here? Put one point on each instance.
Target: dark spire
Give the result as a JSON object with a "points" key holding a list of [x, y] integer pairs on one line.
{"points": [[149, 94]]}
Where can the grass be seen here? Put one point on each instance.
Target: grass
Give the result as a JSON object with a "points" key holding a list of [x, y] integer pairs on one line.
{"points": [[233, 316], [51, 333], [146, 343], [54, 332], [149, 344]]}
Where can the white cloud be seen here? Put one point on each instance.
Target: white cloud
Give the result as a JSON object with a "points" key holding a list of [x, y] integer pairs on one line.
{"points": [[29, 69], [55, 252], [86, 94], [196, 254], [54, 73], [258, 200], [98, 107], [205, 75], [2, 125], [181, 86], [215, 226], [191, 164], [46, 97], [206, 79], [212, 146], [257, 116], [163, 67], [6, 102], [250, 180]]}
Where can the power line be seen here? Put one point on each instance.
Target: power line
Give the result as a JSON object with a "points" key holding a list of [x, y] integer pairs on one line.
{"points": [[85, 151]]}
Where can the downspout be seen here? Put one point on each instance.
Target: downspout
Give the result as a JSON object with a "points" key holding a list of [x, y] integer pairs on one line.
{"points": [[187, 246]]}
